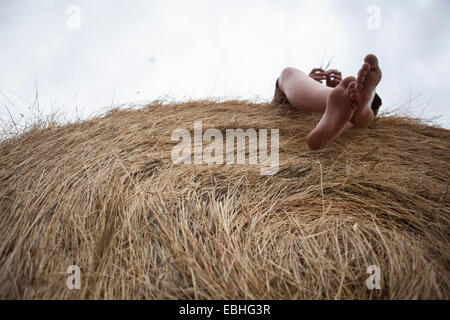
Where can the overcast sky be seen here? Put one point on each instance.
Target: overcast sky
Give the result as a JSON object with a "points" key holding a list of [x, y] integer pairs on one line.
{"points": [[87, 55]]}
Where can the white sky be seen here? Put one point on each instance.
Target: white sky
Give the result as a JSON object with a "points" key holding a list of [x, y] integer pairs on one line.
{"points": [[136, 51]]}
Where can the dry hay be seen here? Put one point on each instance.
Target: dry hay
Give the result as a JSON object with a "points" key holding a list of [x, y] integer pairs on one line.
{"points": [[104, 194]]}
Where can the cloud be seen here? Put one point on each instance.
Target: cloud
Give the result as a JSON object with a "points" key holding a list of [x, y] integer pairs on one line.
{"points": [[124, 53]]}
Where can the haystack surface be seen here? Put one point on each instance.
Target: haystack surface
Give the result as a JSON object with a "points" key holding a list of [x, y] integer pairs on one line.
{"points": [[103, 194]]}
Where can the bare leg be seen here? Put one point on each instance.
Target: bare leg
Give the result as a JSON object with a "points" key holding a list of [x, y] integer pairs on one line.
{"points": [[347, 105], [303, 92], [339, 110]]}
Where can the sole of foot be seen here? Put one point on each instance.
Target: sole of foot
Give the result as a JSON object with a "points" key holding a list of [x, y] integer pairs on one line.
{"points": [[369, 76], [340, 109]]}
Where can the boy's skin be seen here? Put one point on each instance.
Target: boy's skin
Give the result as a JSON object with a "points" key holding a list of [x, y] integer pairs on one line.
{"points": [[344, 104]]}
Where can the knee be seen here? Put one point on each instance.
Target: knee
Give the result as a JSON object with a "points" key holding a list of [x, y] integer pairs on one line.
{"points": [[285, 75]]}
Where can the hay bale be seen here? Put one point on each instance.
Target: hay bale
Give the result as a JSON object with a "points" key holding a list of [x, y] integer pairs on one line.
{"points": [[104, 194]]}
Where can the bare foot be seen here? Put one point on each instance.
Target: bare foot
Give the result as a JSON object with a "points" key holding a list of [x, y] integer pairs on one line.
{"points": [[339, 111], [369, 76]]}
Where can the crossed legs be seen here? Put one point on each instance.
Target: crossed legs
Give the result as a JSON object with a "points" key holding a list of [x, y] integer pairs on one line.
{"points": [[347, 105]]}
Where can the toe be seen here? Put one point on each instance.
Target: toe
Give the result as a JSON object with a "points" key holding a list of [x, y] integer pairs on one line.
{"points": [[359, 86], [372, 60], [366, 67], [351, 91], [351, 87], [362, 73], [345, 83]]}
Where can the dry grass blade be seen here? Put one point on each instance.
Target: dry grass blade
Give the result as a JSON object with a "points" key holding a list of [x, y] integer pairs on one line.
{"points": [[104, 194]]}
